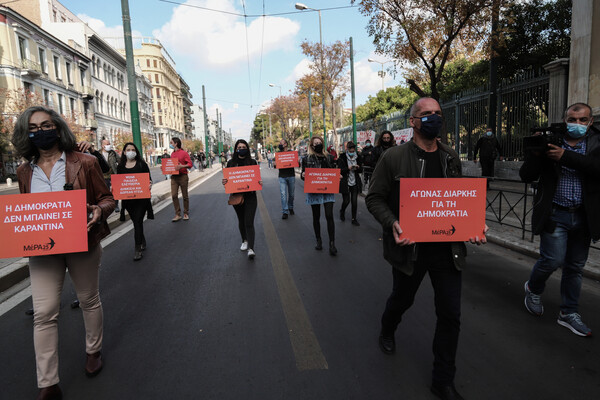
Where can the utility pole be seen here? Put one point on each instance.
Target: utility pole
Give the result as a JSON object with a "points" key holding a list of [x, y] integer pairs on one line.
{"points": [[131, 83], [218, 130], [206, 149], [352, 85], [493, 99]]}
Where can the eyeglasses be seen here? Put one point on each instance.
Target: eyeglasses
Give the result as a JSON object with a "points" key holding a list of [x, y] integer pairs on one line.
{"points": [[45, 126]]}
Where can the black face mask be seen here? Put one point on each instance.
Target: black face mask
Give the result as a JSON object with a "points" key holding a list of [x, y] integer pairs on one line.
{"points": [[430, 126], [280, 147], [318, 148], [44, 139], [242, 152], [386, 143]]}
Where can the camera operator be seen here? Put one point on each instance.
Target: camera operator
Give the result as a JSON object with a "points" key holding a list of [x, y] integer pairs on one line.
{"points": [[565, 213]]}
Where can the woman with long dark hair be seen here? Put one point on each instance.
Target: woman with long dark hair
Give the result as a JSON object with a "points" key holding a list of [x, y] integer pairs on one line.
{"points": [[44, 139], [131, 163], [318, 158], [247, 210]]}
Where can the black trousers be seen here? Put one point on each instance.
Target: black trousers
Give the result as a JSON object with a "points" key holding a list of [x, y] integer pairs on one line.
{"points": [[447, 282], [316, 213], [136, 210], [487, 167], [351, 195], [245, 213]]}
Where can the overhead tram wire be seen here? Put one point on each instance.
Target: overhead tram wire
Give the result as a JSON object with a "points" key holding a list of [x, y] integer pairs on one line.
{"points": [[251, 15], [247, 51]]}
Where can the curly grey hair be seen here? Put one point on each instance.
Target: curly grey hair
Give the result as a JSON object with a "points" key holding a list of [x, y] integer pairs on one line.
{"points": [[20, 137]]}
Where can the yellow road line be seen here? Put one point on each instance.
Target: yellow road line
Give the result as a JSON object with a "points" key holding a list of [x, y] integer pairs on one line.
{"points": [[304, 341]]}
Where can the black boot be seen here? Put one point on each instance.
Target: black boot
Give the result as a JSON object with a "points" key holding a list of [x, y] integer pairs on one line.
{"points": [[143, 245], [138, 253], [332, 249], [319, 245]]}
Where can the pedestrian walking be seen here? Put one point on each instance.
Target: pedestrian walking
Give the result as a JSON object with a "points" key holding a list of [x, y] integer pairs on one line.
{"points": [[180, 181], [246, 210], [317, 158], [44, 139], [350, 165], [384, 142], [368, 158], [488, 148], [422, 157], [287, 184], [131, 163], [112, 159], [223, 160], [565, 213], [270, 158]]}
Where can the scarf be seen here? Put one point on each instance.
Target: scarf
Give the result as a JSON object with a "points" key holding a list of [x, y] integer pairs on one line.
{"points": [[351, 163]]}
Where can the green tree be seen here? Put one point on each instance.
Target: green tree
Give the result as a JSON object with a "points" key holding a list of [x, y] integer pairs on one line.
{"points": [[426, 34], [392, 99]]}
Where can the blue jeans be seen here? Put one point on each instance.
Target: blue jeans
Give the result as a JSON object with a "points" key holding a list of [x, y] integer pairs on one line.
{"points": [[567, 247], [286, 187]]}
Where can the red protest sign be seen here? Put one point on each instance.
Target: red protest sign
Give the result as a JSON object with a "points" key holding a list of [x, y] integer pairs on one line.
{"points": [[442, 209], [130, 186], [242, 179], [286, 159], [168, 166], [37, 224], [321, 180]]}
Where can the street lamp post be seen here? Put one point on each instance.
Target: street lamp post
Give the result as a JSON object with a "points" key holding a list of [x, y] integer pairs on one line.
{"points": [[300, 6], [382, 72], [274, 85]]}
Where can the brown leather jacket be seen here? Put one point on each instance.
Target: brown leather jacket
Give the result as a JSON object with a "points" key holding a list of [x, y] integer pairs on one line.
{"points": [[83, 172]]}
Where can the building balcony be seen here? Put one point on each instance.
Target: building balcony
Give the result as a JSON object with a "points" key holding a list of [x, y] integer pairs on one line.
{"points": [[88, 92], [31, 69], [91, 124]]}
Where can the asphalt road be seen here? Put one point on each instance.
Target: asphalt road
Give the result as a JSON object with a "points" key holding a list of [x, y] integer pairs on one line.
{"points": [[196, 320]]}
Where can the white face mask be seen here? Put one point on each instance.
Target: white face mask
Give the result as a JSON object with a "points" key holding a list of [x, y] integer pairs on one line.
{"points": [[130, 155], [107, 147]]}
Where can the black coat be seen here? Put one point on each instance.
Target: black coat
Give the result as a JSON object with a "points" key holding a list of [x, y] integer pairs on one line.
{"points": [[342, 163], [548, 172]]}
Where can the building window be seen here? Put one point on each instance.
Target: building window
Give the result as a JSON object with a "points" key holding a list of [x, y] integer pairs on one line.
{"points": [[42, 55], [147, 62], [155, 64], [158, 92], [160, 120], [68, 68], [159, 106], [28, 87], [86, 109], [47, 97], [22, 48], [156, 78], [57, 73], [61, 104], [72, 106], [82, 75]]}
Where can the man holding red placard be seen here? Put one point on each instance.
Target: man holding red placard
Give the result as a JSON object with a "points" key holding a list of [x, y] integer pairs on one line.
{"points": [[287, 183], [423, 157], [181, 180]]}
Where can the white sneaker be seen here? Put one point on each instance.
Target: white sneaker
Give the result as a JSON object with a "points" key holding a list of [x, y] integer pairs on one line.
{"points": [[244, 246], [251, 254]]}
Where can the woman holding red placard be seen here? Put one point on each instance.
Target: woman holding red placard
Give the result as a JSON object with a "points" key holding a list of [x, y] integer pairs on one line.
{"points": [[317, 158], [247, 209], [131, 163], [44, 139]]}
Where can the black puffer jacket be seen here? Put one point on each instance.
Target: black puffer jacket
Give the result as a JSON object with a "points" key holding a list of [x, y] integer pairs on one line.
{"points": [[548, 172]]}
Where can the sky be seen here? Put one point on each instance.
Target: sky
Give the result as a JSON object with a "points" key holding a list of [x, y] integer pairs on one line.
{"points": [[236, 58]]}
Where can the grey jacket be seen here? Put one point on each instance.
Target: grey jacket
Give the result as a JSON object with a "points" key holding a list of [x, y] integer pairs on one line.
{"points": [[406, 161]]}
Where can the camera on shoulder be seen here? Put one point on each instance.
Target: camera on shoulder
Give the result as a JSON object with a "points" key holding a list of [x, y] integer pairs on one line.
{"points": [[552, 134]]}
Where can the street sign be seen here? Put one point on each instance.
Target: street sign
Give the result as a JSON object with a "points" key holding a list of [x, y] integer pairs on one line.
{"points": [[321, 180], [442, 209], [36, 224]]}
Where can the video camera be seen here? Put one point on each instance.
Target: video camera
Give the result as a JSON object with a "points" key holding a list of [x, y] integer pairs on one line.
{"points": [[552, 134]]}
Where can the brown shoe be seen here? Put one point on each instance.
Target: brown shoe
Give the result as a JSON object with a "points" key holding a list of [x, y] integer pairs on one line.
{"points": [[93, 364], [50, 393], [176, 219]]}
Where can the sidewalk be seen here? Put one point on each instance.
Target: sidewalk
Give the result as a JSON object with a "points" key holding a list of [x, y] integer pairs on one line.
{"points": [[14, 271]]}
